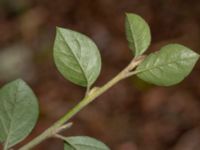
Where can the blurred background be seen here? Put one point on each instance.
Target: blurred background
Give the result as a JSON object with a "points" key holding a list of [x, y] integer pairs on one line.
{"points": [[133, 115]]}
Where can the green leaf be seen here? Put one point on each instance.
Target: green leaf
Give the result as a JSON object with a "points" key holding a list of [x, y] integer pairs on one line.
{"points": [[137, 33], [168, 66], [76, 57], [18, 112], [83, 143]]}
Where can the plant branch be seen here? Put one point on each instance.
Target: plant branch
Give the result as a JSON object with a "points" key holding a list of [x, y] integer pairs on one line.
{"points": [[64, 127], [90, 96], [59, 136]]}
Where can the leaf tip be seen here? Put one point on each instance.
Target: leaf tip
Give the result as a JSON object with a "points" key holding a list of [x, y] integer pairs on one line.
{"points": [[127, 14], [19, 80], [58, 28], [130, 15]]}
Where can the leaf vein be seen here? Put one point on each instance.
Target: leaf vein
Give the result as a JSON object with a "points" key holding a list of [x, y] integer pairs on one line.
{"points": [[161, 65], [82, 69]]}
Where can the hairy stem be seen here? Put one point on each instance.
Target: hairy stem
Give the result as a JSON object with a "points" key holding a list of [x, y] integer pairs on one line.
{"points": [[90, 96]]}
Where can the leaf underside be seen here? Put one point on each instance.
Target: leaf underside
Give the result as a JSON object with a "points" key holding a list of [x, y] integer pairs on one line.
{"points": [[137, 33], [18, 112], [76, 57], [83, 143], [168, 66]]}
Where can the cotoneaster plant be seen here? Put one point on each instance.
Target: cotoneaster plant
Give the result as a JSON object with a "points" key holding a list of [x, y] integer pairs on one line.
{"points": [[78, 59]]}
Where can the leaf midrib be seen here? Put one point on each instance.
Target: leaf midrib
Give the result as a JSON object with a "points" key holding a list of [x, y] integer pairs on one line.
{"points": [[158, 66], [82, 69], [132, 36], [85, 145], [11, 120], [4, 125]]}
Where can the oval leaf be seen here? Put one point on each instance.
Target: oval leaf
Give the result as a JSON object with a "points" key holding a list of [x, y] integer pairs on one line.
{"points": [[76, 57], [83, 143], [168, 66], [18, 112], [137, 33]]}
